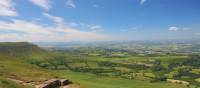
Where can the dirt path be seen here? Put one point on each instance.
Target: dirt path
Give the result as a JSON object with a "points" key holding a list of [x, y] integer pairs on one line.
{"points": [[71, 86], [32, 83], [22, 82]]}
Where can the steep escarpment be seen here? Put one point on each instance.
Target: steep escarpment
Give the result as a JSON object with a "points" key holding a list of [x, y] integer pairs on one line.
{"points": [[21, 50], [16, 69]]}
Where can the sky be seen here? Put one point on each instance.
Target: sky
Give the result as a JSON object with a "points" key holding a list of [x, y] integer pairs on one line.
{"points": [[98, 20]]}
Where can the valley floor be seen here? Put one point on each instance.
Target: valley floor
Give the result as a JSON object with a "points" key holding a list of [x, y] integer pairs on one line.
{"points": [[86, 80]]}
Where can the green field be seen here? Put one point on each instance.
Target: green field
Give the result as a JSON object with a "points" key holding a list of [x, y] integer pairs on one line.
{"points": [[29, 63], [86, 80]]}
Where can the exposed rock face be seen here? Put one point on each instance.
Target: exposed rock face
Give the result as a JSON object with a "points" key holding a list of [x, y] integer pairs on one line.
{"points": [[65, 82], [54, 83]]}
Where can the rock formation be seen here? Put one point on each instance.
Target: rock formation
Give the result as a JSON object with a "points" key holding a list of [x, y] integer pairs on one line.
{"points": [[54, 83]]}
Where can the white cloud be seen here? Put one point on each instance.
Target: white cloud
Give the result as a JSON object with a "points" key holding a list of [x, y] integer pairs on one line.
{"points": [[60, 22], [142, 1], [129, 30], [95, 27], [90, 27], [12, 37], [37, 32], [73, 24], [56, 19], [45, 4], [23, 26], [7, 8], [173, 28], [71, 3]]}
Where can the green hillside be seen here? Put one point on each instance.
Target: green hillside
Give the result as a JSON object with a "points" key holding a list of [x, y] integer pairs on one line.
{"points": [[14, 63], [29, 63]]}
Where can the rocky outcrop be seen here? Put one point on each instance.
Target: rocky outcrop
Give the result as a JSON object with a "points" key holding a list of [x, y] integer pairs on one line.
{"points": [[54, 83], [65, 82]]}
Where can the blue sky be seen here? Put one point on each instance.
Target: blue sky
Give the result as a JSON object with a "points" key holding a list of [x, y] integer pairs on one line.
{"points": [[98, 20]]}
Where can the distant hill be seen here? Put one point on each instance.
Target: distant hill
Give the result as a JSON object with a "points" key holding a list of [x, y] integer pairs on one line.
{"points": [[15, 58], [22, 50]]}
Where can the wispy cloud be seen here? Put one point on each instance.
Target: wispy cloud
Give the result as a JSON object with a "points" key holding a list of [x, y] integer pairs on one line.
{"points": [[37, 32], [60, 22], [23, 26], [96, 28], [142, 1], [7, 8], [173, 28], [56, 19], [72, 24], [90, 27], [129, 30], [71, 3], [45, 4]]}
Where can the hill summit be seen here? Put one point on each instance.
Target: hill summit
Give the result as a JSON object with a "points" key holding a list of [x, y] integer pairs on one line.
{"points": [[20, 49]]}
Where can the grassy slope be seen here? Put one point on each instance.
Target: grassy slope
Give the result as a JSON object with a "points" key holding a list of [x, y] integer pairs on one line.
{"points": [[12, 64], [92, 81], [4, 83], [22, 71]]}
